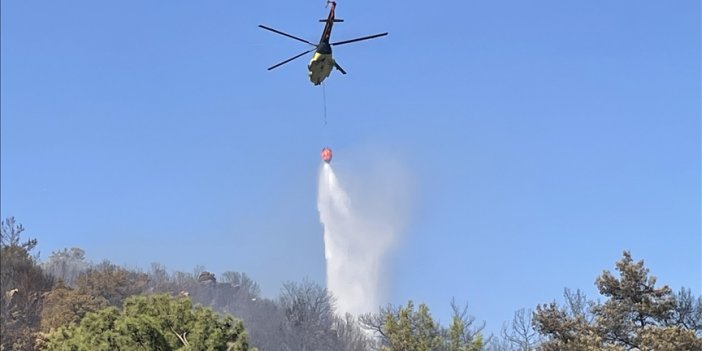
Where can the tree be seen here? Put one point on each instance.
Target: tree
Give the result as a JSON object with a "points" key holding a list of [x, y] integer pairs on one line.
{"points": [[309, 316], [112, 282], [237, 295], [64, 306], [520, 333], [22, 284], [688, 311], [633, 302], [411, 330], [577, 304], [407, 329], [159, 281], [375, 322], [460, 335], [636, 314], [156, 322]]}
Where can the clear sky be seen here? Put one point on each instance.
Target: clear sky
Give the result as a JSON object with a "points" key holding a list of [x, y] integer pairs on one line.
{"points": [[544, 137]]}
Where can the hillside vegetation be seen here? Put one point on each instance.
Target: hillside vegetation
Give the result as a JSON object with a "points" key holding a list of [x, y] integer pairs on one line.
{"points": [[68, 303]]}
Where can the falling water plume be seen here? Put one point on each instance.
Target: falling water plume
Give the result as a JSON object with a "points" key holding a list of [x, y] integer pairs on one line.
{"points": [[361, 224]]}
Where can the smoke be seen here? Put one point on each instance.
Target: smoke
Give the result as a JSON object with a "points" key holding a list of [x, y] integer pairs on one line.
{"points": [[363, 219]]}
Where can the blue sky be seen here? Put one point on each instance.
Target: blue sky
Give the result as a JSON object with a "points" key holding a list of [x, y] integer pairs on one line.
{"points": [[545, 138]]}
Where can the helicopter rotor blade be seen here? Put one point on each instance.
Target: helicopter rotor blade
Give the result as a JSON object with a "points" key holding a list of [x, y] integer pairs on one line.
{"points": [[290, 59], [286, 34], [359, 39], [339, 68]]}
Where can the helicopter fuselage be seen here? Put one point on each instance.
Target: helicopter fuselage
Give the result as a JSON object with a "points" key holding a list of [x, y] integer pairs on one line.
{"points": [[320, 67], [321, 64]]}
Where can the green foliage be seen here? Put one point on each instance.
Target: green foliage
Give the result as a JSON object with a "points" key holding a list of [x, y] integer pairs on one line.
{"points": [[158, 322], [406, 329], [460, 335], [457, 340], [636, 314]]}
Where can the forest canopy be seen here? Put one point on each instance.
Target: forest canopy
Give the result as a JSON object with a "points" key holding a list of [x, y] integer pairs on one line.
{"points": [[68, 303]]}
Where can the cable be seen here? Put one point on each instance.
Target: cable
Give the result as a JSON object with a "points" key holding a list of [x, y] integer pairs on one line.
{"points": [[324, 97]]}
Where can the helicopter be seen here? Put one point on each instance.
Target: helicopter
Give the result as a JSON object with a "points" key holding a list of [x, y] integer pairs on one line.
{"points": [[322, 62]]}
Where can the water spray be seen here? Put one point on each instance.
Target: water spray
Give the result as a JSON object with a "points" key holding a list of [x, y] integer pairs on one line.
{"points": [[361, 224]]}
